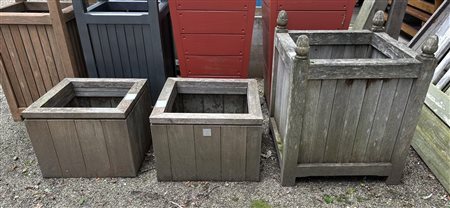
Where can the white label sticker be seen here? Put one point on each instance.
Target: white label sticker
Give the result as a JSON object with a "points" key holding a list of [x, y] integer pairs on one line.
{"points": [[130, 97], [161, 104], [206, 132]]}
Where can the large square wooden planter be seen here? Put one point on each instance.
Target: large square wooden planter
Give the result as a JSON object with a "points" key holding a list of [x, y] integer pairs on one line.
{"points": [[213, 38], [127, 39], [206, 129], [91, 128], [346, 102], [39, 46]]}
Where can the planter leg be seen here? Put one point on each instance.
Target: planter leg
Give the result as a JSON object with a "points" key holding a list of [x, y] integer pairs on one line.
{"points": [[394, 178], [288, 181]]}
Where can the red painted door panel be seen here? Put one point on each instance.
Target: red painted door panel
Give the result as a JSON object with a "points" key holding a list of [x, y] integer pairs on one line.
{"points": [[213, 44], [316, 20], [214, 66], [222, 22], [213, 37]]}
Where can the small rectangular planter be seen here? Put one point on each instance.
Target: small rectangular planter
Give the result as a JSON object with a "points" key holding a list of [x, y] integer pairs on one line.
{"points": [[207, 129], [127, 39], [91, 128], [346, 102], [213, 38], [303, 15], [39, 46]]}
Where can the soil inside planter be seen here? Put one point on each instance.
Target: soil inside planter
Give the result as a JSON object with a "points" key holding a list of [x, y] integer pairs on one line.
{"points": [[209, 103]]}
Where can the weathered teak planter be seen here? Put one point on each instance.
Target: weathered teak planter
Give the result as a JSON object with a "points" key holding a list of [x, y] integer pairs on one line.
{"points": [[304, 15], [39, 46], [346, 102], [91, 128], [127, 39], [213, 38], [206, 129]]}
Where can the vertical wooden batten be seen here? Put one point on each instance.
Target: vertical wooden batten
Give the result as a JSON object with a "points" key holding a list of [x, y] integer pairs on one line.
{"points": [[63, 38]]}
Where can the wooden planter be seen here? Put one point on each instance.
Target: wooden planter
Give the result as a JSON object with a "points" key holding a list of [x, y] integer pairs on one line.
{"points": [[346, 102], [39, 46], [303, 15], [127, 39], [213, 38], [91, 128], [206, 129]]}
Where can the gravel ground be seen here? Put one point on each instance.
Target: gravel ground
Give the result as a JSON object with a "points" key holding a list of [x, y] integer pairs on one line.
{"points": [[22, 185]]}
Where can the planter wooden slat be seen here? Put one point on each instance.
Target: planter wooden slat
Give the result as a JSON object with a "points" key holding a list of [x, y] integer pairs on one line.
{"points": [[334, 114], [38, 49], [203, 131], [75, 143], [128, 39]]}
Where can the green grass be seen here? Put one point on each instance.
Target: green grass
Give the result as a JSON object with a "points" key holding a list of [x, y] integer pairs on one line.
{"points": [[260, 204]]}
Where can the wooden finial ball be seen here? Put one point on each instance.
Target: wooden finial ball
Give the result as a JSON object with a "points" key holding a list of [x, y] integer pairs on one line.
{"points": [[282, 19], [378, 21], [430, 46], [302, 48]]}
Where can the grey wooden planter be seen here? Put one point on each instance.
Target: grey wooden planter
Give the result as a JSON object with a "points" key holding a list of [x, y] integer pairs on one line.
{"points": [[346, 102], [91, 128], [207, 129], [127, 39]]}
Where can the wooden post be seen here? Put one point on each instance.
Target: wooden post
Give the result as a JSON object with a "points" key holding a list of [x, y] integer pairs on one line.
{"points": [[413, 109], [297, 97], [281, 27], [395, 18], [62, 38], [368, 9]]}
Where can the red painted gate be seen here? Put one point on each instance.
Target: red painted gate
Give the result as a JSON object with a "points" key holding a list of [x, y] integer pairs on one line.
{"points": [[213, 38], [303, 15]]}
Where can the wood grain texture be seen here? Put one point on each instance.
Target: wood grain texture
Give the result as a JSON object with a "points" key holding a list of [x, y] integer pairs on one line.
{"points": [[431, 141], [162, 152], [253, 153], [182, 152], [92, 142], [44, 148], [208, 153], [233, 153], [67, 146]]}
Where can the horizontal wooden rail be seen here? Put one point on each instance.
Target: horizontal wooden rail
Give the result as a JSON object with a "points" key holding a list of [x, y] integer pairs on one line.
{"points": [[363, 69]]}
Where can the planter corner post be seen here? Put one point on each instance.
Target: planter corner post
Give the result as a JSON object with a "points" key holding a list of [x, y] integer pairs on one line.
{"points": [[414, 108], [297, 97]]}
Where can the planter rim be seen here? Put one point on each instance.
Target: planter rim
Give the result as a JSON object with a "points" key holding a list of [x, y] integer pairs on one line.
{"points": [[43, 18], [381, 41], [253, 117], [121, 111]]}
